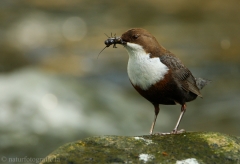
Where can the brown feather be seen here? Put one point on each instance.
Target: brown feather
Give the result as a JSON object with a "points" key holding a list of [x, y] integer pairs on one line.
{"points": [[180, 73]]}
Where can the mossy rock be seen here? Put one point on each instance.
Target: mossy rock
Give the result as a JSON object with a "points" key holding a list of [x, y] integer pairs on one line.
{"points": [[191, 147]]}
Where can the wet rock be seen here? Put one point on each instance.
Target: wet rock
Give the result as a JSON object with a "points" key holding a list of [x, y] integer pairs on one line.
{"points": [[191, 147]]}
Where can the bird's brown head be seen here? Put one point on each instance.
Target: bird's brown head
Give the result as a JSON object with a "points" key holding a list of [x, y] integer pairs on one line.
{"points": [[140, 37], [143, 38]]}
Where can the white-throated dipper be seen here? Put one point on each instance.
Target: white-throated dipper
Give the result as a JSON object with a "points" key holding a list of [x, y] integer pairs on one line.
{"points": [[156, 73]]}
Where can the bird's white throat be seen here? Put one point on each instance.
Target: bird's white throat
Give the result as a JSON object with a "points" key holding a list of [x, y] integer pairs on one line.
{"points": [[144, 71]]}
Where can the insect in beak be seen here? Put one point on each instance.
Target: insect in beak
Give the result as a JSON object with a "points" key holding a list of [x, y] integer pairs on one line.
{"points": [[113, 40]]}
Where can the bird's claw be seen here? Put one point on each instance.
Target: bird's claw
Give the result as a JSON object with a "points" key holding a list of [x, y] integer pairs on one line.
{"points": [[172, 132], [178, 131]]}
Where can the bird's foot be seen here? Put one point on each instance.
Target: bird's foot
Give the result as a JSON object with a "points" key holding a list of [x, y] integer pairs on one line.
{"points": [[178, 131], [172, 132], [161, 134]]}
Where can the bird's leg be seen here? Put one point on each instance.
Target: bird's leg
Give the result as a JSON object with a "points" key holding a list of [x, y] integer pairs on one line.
{"points": [[156, 107], [183, 110]]}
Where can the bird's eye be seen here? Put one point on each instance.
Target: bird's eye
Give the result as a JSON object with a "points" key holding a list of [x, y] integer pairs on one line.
{"points": [[135, 36]]}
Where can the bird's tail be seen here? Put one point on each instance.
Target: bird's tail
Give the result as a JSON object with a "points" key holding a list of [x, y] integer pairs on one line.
{"points": [[200, 82]]}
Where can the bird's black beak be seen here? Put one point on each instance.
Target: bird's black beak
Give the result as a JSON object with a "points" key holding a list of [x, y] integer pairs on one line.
{"points": [[113, 41]]}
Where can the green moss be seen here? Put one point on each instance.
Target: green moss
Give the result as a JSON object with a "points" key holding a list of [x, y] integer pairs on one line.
{"points": [[205, 147]]}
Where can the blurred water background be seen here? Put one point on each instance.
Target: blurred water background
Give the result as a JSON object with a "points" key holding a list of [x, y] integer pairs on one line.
{"points": [[54, 90]]}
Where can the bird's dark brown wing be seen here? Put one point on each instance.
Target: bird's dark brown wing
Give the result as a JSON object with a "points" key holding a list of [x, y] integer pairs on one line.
{"points": [[180, 73]]}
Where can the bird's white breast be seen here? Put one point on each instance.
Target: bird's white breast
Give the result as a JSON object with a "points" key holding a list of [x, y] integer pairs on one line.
{"points": [[143, 70]]}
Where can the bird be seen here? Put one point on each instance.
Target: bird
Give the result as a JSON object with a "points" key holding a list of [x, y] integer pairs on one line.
{"points": [[157, 74]]}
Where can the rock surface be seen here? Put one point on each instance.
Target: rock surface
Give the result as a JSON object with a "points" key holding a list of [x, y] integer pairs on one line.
{"points": [[185, 148]]}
